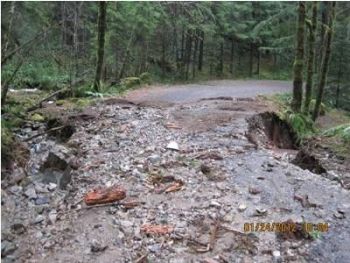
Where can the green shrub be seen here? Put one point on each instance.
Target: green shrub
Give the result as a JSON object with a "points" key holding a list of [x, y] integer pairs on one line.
{"points": [[343, 131], [300, 123], [131, 82], [146, 78], [323, 108]]}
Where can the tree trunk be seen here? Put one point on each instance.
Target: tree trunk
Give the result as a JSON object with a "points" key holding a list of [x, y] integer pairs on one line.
{"points": [[182, 44], [122, 68], [9, 28], [5, 86], [251, 60], [232, 56], [188, 52], [201, 45], [194, 64], [338, 81], [163, 54], [299, 60], [221, 59], [325, 61], [101, 43], [324, 22], [311, 57], [258, 63]]}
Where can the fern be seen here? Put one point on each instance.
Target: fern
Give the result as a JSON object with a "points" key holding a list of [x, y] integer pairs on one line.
{"points": [[300, 123], [343, 131]]}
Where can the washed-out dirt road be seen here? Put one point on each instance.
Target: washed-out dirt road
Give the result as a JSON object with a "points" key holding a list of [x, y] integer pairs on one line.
{"points": [[228, 172], [209, 89]]}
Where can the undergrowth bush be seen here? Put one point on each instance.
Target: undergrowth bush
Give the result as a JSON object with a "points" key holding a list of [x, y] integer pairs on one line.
{"points": [[301, 124], [342, 131]]}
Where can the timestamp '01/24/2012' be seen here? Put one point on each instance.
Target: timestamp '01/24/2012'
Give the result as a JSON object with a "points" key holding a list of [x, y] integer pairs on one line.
{"points": [[284, 227]]}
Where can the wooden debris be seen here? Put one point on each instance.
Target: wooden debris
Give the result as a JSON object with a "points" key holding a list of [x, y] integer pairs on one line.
{"points": [[130, 203], [142, 259], [209, 260], [157, 229], [176, 186], [304, 200], [105, 195], [171, 125], [210, 155]]}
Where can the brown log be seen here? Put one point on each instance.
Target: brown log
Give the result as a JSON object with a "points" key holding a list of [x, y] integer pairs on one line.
{"points": [[105, 195], [157, 229]]}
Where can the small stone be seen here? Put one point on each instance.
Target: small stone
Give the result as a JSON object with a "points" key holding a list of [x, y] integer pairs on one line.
{"points": [[16, 189], [276, 254], [52, 186], [288, 173], [240, 163], [49, 244], [18, 228], [39, 219], [126, 224], [30, 193], [242, 207], [173, 146], [40, 188], [215, 204], [39, 235], [205, 169], [136, 172], [53, 216], [7, 248], [254, 190], [97, 246], [39, 209], [261, 211], [154, 158], [154, 248], [42, 200]]}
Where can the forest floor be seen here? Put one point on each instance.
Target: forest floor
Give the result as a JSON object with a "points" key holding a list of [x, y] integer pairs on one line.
{"points": [[226, 171]]}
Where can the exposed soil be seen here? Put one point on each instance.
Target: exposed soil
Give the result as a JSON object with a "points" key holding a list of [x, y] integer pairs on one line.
{"points": [[267, 128], [307, 161], [198, 197]]}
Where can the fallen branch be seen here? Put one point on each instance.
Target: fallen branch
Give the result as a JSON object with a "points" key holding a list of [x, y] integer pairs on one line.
{"points": [[63, 90], [42, 133], [142, 259], [39, 104]]}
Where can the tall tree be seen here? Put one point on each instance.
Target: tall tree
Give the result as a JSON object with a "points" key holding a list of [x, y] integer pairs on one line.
{"points": [[311, 57], [299, 60], [5, 86], [101, 43], [325, 60]]}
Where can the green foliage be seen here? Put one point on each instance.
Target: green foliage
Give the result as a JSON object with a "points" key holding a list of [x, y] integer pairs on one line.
{"points": [[146, 78], [315, 234], [323, 108], [300, 123], [131, 82], [37, 117], [342, 131], [6, 134]]}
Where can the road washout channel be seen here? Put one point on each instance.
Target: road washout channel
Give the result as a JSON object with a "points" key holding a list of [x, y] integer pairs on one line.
{"points": [[222, 181]]}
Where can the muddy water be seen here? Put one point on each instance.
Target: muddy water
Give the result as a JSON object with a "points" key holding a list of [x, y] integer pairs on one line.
{"points": [[127, 145]]}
